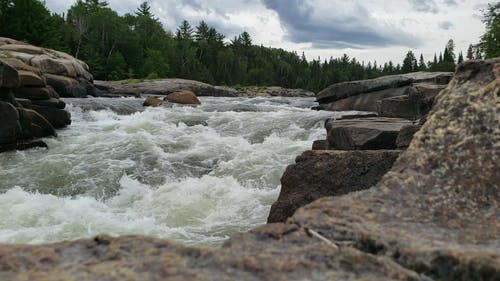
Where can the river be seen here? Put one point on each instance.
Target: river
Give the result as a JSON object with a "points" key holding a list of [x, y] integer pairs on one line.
{"points": [[196, 175]]}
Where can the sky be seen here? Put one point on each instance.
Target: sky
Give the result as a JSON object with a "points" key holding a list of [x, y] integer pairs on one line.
{"points": [[369, 30]]}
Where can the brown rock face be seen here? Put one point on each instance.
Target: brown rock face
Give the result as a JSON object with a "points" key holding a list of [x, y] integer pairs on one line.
{"points": [[434, 216], [318, 174], [68, 75], [183, 97], [9, 77]]}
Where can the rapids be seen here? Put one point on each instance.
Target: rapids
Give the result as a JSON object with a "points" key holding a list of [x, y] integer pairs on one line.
{"points": [[196, 175]]}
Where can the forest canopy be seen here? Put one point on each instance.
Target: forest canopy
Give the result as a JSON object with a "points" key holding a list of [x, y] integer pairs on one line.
{"points": [[137, 46]]}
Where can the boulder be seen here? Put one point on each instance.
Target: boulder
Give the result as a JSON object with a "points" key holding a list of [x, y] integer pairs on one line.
{"points": [[58, 118], [364, 133], [9, 125], [318, 174], [366, 95], [52, 103], [32, 93], [9, 76], [153, 101], [413, 105], [66, 86], [183, 97], [22, 145], [30, 79], [320, 145], [71, 76], [34, 125]]}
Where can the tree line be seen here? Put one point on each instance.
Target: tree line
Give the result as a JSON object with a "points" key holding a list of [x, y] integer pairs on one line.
{"points": [[137, 46]]}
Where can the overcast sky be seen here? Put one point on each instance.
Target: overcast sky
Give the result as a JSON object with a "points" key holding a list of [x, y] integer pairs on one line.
{"points": [[369, 30]]}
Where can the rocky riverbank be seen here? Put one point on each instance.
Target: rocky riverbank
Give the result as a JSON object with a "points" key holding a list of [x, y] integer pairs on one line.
{"points": [[434, 216], [32, 79], [165, 87]]}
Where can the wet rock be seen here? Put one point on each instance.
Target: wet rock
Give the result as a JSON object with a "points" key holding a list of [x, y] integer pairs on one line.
{"points": [[320, 145], [183, 97], [34, 125], [30, 79], [31, 93], [153, 101], [318, 174], [58, 118], [22, 145], [9, 125], [364, 133]]}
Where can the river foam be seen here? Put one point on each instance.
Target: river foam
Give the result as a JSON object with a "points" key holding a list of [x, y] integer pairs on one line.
{"points": [[197, 175]]}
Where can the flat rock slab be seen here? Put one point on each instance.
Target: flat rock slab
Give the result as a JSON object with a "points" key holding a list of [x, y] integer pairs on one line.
{"points": [[347, 89], [322, 173], [364, 133]]}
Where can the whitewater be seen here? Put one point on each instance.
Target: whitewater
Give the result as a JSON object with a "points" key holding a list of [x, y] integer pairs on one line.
{"points": [[196, 175]]}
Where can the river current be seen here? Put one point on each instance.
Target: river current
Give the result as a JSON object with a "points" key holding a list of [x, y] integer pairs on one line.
{"points": [[196, 175]]}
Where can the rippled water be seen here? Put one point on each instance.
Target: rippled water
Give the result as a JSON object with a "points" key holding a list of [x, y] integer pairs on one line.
{"points": [[150, 173]]}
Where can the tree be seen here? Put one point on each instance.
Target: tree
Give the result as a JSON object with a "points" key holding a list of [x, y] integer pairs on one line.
{"points": [[409, 63], [421, 63], [489, 44], [470, 53], [460, 58]]}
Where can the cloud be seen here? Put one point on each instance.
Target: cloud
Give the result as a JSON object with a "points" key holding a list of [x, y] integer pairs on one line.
{"points": [[450, 3], [336, 24], [426, 6], [445, 25]]}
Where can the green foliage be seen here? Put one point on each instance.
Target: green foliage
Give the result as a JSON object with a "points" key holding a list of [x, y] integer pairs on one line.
{"points": [[489, 46]]}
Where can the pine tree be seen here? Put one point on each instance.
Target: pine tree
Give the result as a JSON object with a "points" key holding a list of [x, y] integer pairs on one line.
{"points": [[421, 65], [489, 44], [470, 53]]}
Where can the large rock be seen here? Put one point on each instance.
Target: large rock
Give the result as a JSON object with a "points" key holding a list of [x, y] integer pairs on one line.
{"points": [[167, 86], [9, 123], [163, 87], [364, 133], [34, 125], [366, 95], [58, 118], [153, 101], [9, 76], [68, 75], [183, 97], [434, 216], [318, 174]]}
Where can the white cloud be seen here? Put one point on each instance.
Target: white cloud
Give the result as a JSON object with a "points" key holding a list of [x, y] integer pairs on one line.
{"points": [[369, 30]]}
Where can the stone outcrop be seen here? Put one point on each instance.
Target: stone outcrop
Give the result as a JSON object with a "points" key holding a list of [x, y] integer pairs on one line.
{"points": [[167, 86], [364, 133], [27, 84], [406, 95], [321, 173], [434, 216], [38, 67], [162, 87]]}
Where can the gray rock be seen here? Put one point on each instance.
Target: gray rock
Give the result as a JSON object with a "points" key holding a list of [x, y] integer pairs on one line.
{"points": [[364, 133], [320, 145], [366, 95], [405, 136]]}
